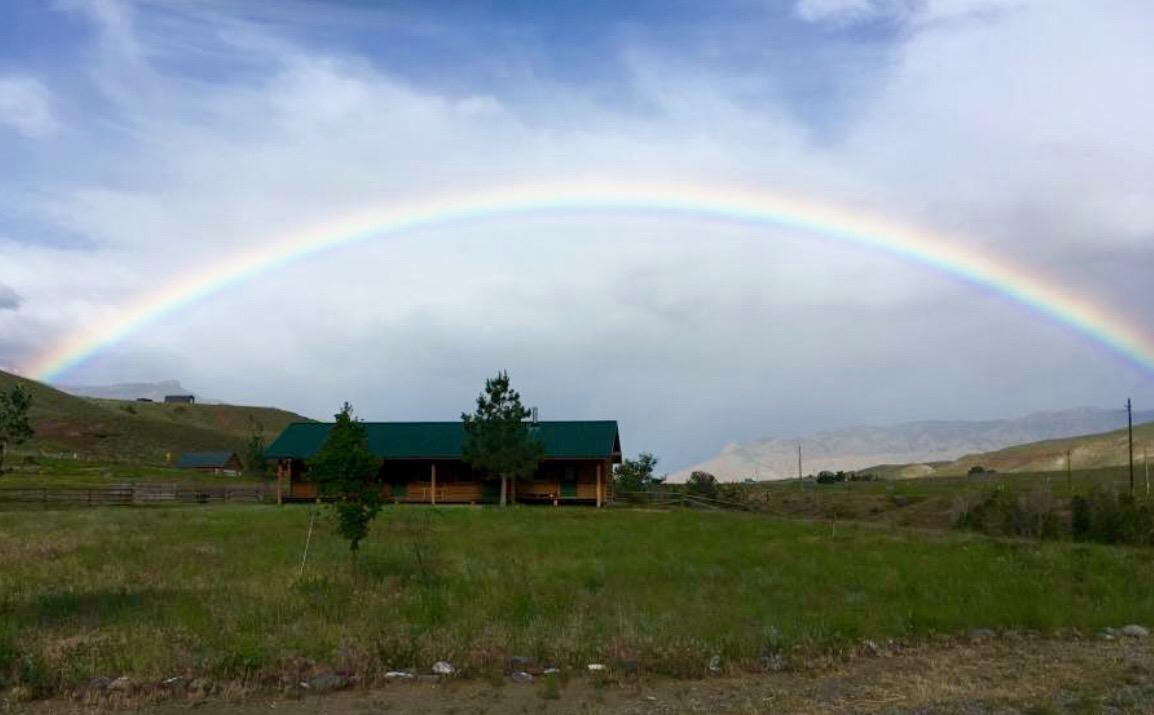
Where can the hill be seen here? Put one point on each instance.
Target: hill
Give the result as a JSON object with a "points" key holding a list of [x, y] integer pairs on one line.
{"points": [[916, 446], [1095, 451], [137, 432]]}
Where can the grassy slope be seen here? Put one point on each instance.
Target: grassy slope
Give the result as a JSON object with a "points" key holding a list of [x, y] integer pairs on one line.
{"points": [[131, 432], [1095, 451], [214, 590]]}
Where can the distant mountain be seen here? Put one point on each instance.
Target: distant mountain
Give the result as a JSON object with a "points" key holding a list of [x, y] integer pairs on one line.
{"points": [[916, 445], [138, 432], [132, 390]]}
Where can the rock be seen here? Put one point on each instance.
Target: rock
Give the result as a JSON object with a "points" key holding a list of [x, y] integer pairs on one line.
{"points": [[176, 682], [1107, 633], [398, 675], [121, 685], [977, 635], [519, 663], [715, 664], [1135, 631], [327, 682], [551, 671], [650, 698], [99, 683], [520, 676], [596, 668], [442, 667]]}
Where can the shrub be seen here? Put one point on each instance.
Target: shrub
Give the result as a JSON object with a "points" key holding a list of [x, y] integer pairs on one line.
{"points": [[702, 484], [1107, 517], [998, 512]]}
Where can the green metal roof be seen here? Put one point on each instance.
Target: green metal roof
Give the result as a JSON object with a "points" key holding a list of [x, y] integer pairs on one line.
{"points": [[444, 440], [204, 460]]}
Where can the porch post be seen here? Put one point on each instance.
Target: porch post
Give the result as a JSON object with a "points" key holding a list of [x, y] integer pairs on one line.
{"points": [[279, 481], [433, 492], [599, 485]]}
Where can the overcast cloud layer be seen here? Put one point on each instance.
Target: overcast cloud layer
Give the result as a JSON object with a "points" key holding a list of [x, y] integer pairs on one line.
{"points": [[139, 142]]}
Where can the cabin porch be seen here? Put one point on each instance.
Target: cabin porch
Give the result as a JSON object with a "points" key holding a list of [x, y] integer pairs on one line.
{"points": [[415, 481]]}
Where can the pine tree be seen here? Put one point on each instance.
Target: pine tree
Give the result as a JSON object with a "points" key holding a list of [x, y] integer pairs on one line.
{"points": [[14, 425], [346, 474], [499, 441]]}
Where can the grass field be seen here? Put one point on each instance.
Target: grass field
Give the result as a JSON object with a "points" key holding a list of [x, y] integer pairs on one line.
{"points": [[214, 591]]}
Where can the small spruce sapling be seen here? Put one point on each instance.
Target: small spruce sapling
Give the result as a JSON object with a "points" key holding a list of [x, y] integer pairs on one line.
{"points": [[346, 473]]}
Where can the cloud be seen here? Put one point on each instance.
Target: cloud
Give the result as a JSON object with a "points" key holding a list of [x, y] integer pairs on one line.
{"points": [[229, 135], [26, 106], [9, 298], [842, 11]]}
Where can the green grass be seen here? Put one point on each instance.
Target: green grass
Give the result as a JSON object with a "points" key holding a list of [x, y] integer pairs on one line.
{"points": [[214, 591]]}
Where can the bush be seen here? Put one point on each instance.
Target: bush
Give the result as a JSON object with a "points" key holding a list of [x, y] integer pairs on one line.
{"points": [[1109, 518], [1102, 516], [997, 512], [702, 484]]}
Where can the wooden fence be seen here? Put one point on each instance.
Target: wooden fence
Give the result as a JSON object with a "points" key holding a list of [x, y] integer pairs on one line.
{"points": [[138, 494], [665, 497]]}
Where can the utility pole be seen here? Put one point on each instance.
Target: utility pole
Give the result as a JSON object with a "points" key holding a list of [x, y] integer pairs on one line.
{"points": [[800, 483], [1130, 430]]}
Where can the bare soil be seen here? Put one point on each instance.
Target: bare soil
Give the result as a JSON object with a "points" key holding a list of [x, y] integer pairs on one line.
{"points": [[1001, 675]]}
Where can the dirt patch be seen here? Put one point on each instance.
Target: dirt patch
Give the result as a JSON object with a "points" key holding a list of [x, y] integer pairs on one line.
{"points": [[1007, 675]]}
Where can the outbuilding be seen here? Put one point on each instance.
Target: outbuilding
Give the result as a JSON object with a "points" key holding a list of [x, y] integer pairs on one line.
{"points": [[226, 463]]}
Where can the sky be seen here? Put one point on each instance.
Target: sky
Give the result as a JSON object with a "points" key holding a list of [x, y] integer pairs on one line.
{"points": [[144, 141]]}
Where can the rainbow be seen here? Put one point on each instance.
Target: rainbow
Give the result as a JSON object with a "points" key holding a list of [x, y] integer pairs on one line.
{"points": [[694, 202]]}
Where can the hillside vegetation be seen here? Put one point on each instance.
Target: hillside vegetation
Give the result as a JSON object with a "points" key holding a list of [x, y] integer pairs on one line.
{"points": [[1094, 451], [137, 432]]}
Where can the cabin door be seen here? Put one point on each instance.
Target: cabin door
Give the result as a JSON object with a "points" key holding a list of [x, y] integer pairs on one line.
{"points": [[569, 482]]}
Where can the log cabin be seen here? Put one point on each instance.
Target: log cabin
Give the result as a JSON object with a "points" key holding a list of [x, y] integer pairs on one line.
{"points": [[421, 462]]}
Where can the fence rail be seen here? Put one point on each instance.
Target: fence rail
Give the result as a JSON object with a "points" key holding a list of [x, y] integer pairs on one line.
{"points": [[667, 498], [137, 494]]}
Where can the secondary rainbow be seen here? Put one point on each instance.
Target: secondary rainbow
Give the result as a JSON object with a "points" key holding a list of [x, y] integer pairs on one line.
{"points": [[688, 201]]}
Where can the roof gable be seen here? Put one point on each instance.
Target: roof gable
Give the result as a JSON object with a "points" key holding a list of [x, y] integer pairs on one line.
{"points": [[445, 440]]}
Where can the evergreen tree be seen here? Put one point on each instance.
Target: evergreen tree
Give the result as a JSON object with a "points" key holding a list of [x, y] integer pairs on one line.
{"points": [[346, 474], [14, 425], [498, 439], [255, 463]]}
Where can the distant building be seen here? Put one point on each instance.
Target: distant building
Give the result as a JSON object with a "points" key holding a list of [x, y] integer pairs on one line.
{"points": [[424, 462], [180, 399], [226, 463], [144, 399]]}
